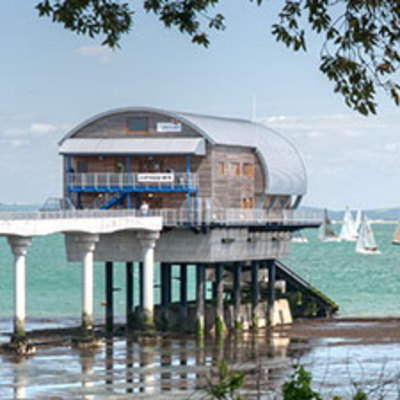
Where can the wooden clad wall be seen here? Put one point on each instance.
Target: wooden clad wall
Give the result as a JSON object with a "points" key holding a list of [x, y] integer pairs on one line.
{"points": [[232, 185], [114, 126]]}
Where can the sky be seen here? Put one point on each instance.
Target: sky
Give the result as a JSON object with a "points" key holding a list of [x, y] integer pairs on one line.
{"points": [[52, 80]]}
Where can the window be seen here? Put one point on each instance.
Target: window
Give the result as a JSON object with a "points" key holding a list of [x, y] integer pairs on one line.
{"points": [[137, 125], [248, 170], [235, 169], [221, 168], [82, 166]]}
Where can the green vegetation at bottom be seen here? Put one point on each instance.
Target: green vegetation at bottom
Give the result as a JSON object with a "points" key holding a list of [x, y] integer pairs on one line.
{"points": [[228, 383]]}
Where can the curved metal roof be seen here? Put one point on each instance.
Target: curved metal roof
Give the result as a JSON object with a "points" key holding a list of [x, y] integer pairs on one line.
{"points": [[284, 170]]}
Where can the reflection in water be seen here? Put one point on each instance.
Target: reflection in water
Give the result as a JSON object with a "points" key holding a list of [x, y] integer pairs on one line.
{"points": [[174, 366], [20, 380], [87, 363]]}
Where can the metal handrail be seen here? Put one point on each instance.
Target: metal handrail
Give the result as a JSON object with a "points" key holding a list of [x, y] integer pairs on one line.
{"points": [[181, 217], [127, 179]]}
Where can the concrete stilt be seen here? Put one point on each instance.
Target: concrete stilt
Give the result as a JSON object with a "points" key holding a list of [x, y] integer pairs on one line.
{"points": [[271, 291], [200, 302], [19, 246], [219, 312], [87, 243], [129, 295], [109, 296], [255, 294], [183, 291], [148, 243], [237, 277]]}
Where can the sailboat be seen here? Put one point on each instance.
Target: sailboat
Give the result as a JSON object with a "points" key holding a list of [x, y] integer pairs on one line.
{"points": [[348, 231], [297, 237], [366, 241], [396, 236], [326, 233], [358, 220]]}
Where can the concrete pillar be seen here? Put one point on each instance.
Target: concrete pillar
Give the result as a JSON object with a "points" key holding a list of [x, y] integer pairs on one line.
{"points": [[219, 311], [237, 277], [148, 243], [129, 295], [183, 291], [109, 296], [200, 302], [271, 290], [19, 246], [87, 244], [255, 293]]}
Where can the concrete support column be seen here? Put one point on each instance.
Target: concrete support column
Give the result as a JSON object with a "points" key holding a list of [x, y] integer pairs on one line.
{"points": [[87, 243], [19, 246], [148, 243], [200, 302], [109, 296], [219, 311], [237, 277], [255, 294], [129, 295], [271, 291]]}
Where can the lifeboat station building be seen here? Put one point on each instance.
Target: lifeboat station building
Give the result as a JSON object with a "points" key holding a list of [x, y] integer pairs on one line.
{"points": [[178, 161], [227, 190], [219, 195]]}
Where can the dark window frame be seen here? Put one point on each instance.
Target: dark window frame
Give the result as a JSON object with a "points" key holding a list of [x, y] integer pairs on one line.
{"points": [[137, 117]]}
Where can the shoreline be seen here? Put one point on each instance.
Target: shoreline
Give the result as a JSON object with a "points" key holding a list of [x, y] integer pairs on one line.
{"points": [[367, 330]]}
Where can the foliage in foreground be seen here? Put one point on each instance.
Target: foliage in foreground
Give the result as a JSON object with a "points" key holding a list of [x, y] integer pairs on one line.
{"points": [[298, 387]]}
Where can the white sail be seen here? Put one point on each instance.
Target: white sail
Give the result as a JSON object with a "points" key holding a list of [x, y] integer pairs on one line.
{"points": [[366, 241], [358, 220], [348, 231], [326, 233]]}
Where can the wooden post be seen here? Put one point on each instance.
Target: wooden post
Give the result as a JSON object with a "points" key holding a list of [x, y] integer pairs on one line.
{"points": [[183, 291], [237, 277], [109, 296], [271, 290], [129, 295], [255, 293], [165, 283], [141, 291], [219, 311], [200, 303]]}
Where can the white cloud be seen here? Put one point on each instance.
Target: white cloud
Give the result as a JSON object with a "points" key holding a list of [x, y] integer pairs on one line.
{"points": [[349, 159], [40, 128], [103, 54]]}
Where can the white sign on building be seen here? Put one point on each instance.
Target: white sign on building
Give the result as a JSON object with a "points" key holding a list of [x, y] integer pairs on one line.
{"points": [[169, 126], [156, 177]]}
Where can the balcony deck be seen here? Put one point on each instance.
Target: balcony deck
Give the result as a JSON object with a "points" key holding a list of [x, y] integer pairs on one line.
{"points": [[131, 182]]}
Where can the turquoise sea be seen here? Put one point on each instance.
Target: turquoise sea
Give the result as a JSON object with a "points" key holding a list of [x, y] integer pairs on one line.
{"points": [[362, 285]]}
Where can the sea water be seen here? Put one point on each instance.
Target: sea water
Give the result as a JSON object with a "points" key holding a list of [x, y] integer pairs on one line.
{"points": [[362, 285]]}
